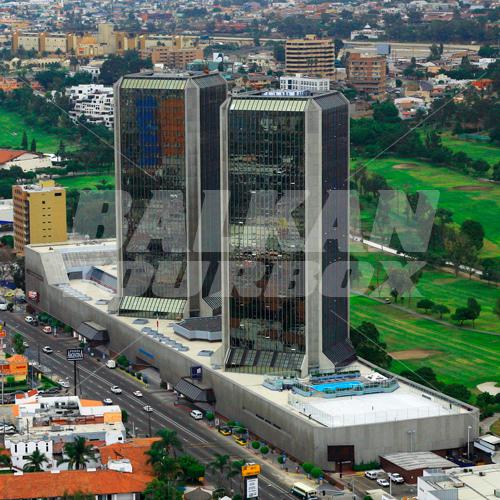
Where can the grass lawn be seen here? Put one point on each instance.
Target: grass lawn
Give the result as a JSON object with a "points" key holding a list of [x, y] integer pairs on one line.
{"points": [[476, 150], [495, 428], [472, 202], [464, 357], [12, 126], [85, 181], [438, 286]]}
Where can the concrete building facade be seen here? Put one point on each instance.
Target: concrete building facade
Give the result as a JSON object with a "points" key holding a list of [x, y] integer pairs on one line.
{"points": [[39, 214], [311, 56], [367, 73]]}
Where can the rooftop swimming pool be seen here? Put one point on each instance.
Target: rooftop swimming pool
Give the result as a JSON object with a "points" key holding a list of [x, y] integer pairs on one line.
{"points": [[337, 385]]}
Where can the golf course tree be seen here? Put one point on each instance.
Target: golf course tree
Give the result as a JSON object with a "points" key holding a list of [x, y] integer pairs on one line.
{"points": [[474, 308], [491, 271], [474, 231], [462, 314], [440, 309], [425, 304], [367, 342], [24, 141]]}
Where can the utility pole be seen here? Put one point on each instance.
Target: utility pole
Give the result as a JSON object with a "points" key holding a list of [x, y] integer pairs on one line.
{"points": [[74, 377]]}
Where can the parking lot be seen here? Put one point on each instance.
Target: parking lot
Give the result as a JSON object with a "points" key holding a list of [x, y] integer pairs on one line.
{"points": [[363, 484]]}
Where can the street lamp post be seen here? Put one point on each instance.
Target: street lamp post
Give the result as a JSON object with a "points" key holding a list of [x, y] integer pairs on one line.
{"points": [[469, 427]]}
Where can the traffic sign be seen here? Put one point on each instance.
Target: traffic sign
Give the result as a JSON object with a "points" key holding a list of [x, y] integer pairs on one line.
{"points": [[74, 354]]}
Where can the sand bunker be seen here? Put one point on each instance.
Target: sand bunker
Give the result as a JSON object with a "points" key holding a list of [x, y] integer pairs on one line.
{"points": [[413, 354], [405, 166], [472, 188], [489, 387]]}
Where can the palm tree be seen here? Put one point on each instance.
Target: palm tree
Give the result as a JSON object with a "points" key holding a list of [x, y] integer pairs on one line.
{"points": [[35, 461], [167, 469], [78, 454], [235, 471], [219, 465], [161, 490], [169, 441], [5, 460]]}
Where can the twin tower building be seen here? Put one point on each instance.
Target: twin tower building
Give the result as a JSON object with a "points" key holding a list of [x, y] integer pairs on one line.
{"points": [[236, 205]]}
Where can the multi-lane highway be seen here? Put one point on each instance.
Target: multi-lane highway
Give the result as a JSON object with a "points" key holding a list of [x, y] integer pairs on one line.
{"points": [[95, 381]]}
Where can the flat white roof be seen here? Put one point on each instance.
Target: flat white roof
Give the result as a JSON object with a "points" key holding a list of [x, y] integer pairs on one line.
{"points": [[405, 403]]}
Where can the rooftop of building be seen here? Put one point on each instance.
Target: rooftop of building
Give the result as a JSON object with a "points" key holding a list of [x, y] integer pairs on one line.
{"points": [[409, 401], [104, 481], [472, 483], [418, 460], [44, 186]]}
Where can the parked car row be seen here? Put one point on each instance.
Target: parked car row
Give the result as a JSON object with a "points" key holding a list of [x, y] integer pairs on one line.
{"points": [[378, 475]]}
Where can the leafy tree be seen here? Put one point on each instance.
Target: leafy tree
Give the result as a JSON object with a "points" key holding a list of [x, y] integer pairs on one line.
{"points": [[462, 314], [496, 307], [316, 473], [220, 465], [33, 146], [386, 112], [124, 416], [167, 468], [338, 45], [18, 344], [440, 309], [474, 308], [78, 453], [192, 469], [162, 490], [308, 467], [480, 166], [368, 345], [5, 460], [35, 461], [169, 442], [425, 304], [474, 231], [264, 450], [423, 375], [457, 391], [24, 141], [116, 66], [255, 445], [460, 249]]}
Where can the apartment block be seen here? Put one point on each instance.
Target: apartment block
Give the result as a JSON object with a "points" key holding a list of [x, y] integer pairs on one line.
{"points": [[301, 82], [311, 56], [94, 102], [367, 73], [174, 58], [39, 214]]}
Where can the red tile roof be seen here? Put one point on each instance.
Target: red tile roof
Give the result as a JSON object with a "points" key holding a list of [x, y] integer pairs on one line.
{"points": [[48, 485], [10, 154]]}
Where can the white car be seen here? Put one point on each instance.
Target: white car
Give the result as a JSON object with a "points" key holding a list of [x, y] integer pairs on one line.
{"points": [[383, 482], [107, 401], [371, 474], [396, 478], [115, 389], [65, 384], [25, 344], [29, 319], [147, 409], [48, 350], [137, 394], [197, 414], [3, 306]]}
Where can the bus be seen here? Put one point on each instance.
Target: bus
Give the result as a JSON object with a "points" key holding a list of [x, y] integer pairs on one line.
{"points": [[303, 491]]}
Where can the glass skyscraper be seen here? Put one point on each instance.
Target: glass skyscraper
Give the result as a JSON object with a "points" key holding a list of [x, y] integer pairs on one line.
{"points": [[284, 175], [167, 160]]}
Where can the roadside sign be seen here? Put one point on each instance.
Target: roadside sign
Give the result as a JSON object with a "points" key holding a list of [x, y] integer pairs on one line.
{"points": [[252, 487], [250, 470], [74, 354]]}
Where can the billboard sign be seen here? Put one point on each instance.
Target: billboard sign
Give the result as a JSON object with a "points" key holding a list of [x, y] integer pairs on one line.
{"points": [[252, 487], [75, 354]]}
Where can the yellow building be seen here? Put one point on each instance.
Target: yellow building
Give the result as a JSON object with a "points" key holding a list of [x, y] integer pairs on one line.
{"points": [[39, 214]]}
